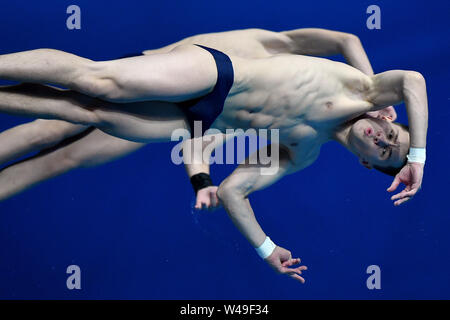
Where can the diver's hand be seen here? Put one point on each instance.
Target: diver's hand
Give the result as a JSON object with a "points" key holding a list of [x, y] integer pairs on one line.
{"points": [[387, 113], [207, 199], [281, 261], [411, 176]]}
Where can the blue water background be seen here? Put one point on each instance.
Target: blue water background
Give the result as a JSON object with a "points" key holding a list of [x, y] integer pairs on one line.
{"points": [[129, 224]]}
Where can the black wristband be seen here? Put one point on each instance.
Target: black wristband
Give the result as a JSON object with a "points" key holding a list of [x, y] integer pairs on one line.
{"points": [[200, 181]]}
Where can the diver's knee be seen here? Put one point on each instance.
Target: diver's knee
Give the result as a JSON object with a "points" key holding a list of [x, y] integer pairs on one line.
{"points": [[105, 89], [95, 79]]}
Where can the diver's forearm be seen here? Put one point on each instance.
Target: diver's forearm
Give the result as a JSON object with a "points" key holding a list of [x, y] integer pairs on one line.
{"points": [[234, 191], [193, 157], [396, 86], [239, 210], [193, 169], [197, 152], [415, 97]]}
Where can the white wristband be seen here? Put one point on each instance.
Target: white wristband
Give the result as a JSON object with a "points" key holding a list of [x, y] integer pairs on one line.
{"points": [[416, 155], [266, 248]]}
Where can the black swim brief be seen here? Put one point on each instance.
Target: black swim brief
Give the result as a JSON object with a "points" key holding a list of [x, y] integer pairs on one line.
{"points": [[208, 107]]}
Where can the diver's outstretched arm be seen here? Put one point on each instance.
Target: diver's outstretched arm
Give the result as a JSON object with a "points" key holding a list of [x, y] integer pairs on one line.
{"points": [[393, 87], [397, 86], [233, 193]]}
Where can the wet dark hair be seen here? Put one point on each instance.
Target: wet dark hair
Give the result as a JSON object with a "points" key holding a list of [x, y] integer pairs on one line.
{"points": [[393, 171]]}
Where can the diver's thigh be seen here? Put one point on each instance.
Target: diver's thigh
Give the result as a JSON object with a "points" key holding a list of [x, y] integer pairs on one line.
{"points": [[184, 73], [146, 122], [97, 148]]}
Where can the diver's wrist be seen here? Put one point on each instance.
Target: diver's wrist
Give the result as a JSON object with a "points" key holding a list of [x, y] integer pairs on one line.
{"points": [[417, 155], [266, 248], [201, 180]]}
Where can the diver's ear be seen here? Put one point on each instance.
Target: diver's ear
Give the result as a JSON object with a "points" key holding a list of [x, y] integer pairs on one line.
{"points": [[388, 118], [365, 163], [388, 114]]}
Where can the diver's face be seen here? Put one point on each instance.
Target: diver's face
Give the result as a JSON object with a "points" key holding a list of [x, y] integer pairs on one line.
{"points": [[379, 142]]}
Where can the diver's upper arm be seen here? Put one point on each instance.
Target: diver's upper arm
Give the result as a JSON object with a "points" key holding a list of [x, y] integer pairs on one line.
{"points": [[386, 88], [319, 42]]}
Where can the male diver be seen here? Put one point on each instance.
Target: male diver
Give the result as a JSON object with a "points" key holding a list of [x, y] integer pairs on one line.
{"points": [[65, 146], [309, 100]]}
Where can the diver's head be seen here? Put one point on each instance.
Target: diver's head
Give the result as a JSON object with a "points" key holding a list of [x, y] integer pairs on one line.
{"points": [[379, 144]]}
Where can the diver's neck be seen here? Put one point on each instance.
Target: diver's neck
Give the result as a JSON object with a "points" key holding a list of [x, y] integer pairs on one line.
{"points": [[341, 134]]}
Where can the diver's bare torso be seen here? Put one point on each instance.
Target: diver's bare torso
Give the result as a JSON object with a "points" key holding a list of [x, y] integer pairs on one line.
{"points": [[304, 97]]}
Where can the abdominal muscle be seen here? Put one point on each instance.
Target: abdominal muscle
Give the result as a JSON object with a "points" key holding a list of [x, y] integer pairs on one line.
{"points": [[280, 92]]}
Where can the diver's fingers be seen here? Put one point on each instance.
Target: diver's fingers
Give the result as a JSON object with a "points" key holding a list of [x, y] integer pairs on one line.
{"points": [[291, 262], [293, 270], [297, 270], [404, 193], [198, 204], [201, 203], [394, 184], [297, 277], [399, 202]]}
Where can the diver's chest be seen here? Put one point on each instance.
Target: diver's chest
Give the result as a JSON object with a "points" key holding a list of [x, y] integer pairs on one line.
{"points": [[300, 136], [304, 154], [304, 142]]}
